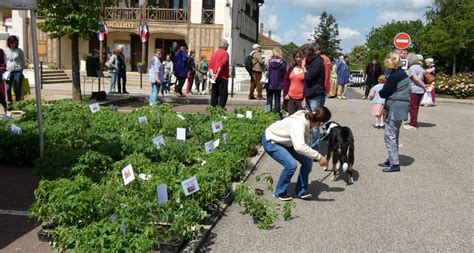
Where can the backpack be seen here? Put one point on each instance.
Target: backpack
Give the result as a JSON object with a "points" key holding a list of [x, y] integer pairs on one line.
{"points": [[249, 63]]}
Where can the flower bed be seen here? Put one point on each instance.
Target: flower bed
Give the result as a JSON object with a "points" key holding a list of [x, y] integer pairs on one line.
{"points": [[460, 85], [82, 191]]}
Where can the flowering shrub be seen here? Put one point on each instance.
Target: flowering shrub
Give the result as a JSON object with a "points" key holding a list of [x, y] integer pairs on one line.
{"points": [[460, 85]]}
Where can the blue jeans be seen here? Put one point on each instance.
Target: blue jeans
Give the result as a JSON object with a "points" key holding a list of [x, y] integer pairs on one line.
{"points": [[155, 88], [16, 78], [274, 95], [311, 104], [113, 80], [288, 157]]}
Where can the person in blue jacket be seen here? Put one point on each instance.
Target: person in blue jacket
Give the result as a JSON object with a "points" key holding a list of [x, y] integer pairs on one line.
{"points": [[343, 77], [181, 70]]}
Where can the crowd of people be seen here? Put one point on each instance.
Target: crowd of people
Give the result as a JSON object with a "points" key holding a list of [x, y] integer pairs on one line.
{"points": [[394, 96]]}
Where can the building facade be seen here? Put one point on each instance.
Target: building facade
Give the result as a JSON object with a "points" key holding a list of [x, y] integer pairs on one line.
{"points": [[197, 24]]}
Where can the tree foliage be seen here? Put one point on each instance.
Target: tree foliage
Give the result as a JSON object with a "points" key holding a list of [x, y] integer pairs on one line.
{"points": [[76, 18], [449, 33], [359, 56], [290, 47], [380, 39], [325, 34]]}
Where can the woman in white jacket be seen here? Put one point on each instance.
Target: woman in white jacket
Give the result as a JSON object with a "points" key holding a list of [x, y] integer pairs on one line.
{"points": [[286, 141]]}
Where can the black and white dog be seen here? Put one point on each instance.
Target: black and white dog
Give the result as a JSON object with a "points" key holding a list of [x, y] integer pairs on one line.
{"points": [[340, 148]]}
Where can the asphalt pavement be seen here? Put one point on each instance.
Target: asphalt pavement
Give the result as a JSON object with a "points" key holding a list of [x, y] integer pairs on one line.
{"points": [[428, 206]]}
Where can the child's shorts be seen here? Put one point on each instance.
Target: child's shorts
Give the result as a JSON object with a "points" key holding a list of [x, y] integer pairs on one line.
{"points": [[377, 109]]}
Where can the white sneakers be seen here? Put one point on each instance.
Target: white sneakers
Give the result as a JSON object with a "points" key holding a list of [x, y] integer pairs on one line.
{"points": [[409, 127]]}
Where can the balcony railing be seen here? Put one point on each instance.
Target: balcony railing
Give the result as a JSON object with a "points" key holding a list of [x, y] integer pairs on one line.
{"points": [[152, 14], [167, 15], [207, 16]]}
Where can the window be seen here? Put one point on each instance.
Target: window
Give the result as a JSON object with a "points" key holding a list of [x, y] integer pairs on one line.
{"points": [[208, 4]]}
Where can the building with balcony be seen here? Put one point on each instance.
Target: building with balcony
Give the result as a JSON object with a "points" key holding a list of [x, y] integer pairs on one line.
{"points": [[197, 24]]}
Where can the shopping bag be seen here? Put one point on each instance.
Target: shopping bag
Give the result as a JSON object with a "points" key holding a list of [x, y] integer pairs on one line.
{"points": [[427, 100], [25, 88]]}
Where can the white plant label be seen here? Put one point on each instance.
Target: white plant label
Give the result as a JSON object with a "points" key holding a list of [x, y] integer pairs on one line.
{"points": [[159, 141], [209, 146], [144, 177], [95, 107], [216, 143], [268, 108], [248, 114], [123, 227], [158, 119], [143, 120], [203, 162], [15, 129], [190, 186], [181, 116], [127, 174], [240, 116], [224, 117], [181, 134], [216, 126], [226, 138], [162, 191]]}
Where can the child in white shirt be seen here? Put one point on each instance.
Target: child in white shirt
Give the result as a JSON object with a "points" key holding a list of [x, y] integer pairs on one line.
{"points": [[377, 103]]}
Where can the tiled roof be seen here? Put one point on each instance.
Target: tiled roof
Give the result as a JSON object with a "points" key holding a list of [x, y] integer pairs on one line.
{"points": [[265, 41]]}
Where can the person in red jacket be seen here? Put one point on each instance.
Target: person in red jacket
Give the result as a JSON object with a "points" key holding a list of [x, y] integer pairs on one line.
{"points": [[219, 72], [327, 72]]}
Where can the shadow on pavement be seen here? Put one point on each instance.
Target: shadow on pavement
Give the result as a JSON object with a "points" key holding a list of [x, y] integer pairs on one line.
{"points": [[424, 124], [316, 187], [405, 160]]}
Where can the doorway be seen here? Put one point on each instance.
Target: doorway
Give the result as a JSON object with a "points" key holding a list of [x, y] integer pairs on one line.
{"points": [[135, 51]]}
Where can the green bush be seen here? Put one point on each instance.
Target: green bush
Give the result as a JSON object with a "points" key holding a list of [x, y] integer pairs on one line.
{"points": [[82, 190]]}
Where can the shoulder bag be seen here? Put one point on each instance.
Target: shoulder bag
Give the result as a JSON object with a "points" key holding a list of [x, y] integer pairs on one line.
{"points": [[428, 77]]}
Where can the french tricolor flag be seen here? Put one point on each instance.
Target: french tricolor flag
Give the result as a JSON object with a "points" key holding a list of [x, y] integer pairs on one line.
{"points": [[103, 31], [143, 30]]}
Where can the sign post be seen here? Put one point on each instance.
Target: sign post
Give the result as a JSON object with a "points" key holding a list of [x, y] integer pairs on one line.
{"points": [[402, 40], [32, 6]]}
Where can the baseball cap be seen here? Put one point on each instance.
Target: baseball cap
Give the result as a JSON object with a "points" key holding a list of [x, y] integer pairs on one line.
{"points": [[255, 46]]}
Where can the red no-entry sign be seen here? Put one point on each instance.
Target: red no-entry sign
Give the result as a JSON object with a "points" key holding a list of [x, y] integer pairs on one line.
{"points": [[402, 40]]}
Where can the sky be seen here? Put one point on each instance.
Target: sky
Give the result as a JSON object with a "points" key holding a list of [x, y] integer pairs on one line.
{"points": [[294, 20]]}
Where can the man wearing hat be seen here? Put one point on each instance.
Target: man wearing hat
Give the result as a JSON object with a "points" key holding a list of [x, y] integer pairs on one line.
{"points": [[257, 70]]}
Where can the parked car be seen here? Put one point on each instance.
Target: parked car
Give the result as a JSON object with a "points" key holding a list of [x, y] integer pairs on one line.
{"points": [[356, 78]]}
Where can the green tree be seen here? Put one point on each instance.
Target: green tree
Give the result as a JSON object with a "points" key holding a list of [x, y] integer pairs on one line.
{"points": [[359, 56], [380, 39], [290, 47], [449, 33], [325, 34], [75, 18]]}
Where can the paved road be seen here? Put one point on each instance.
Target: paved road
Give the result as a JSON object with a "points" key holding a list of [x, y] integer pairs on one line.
{"points": [[428, 206]]}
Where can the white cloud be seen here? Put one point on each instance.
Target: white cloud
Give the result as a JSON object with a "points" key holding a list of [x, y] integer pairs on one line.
{"points": [[268, 17], [347, 33], [387, 16]]}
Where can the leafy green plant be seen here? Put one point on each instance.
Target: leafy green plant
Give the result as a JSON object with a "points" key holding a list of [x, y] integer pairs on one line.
{"points": [[267, 178], [81, 185], [287, 209], [258, 206]]}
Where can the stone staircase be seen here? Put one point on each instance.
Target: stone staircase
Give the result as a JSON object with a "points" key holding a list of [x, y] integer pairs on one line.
{"points": [[55, 76]]}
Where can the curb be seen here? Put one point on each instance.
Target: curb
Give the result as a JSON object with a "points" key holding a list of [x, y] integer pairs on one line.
{"points": [[195, 245]]}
